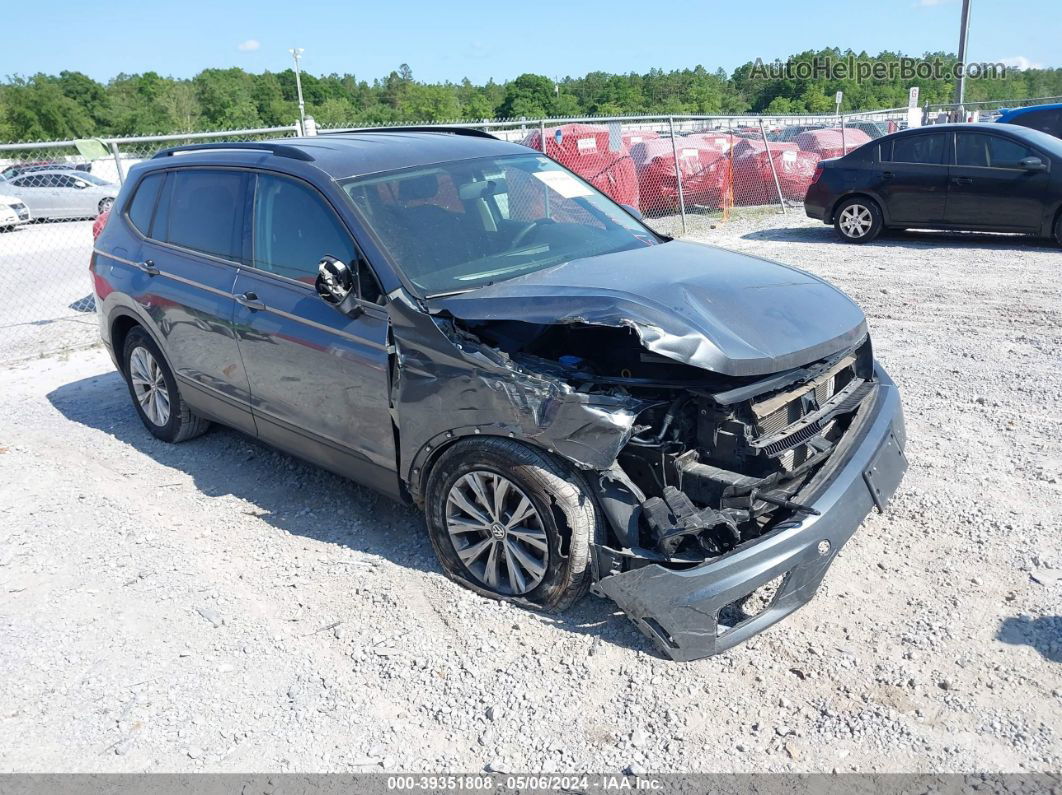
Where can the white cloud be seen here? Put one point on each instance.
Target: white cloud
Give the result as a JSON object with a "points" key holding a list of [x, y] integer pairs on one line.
{"points": [[249, 46], [1020, 62]]}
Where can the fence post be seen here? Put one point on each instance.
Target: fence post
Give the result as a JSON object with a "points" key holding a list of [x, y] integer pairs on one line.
{"points": [[542, 134], [678, 173], [118, 163], [774, 171], [844, 137]]}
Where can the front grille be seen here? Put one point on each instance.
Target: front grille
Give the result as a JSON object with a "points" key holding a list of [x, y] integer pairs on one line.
{"points": [[780, 426], [779, 411]]}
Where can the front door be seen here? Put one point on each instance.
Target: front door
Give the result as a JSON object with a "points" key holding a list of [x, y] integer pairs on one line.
{"points": [[319, 378], [989, 189], [914, 179]]}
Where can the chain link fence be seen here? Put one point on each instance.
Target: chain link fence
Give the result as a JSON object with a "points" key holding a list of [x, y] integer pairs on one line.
{"points": [[682, 173], [52, 195]]}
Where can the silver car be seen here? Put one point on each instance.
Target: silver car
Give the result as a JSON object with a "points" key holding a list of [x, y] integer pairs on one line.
{"points": [[62, 193]]}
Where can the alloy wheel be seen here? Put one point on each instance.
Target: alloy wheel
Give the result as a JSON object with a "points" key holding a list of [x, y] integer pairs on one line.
{"points": [[497, 533], [856, 220], [149, 385]]}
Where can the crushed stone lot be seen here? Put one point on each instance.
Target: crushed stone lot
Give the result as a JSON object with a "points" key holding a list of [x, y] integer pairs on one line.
{"points": [[217, 606]]}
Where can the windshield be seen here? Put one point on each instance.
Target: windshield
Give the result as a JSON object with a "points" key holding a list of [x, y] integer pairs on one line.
{"points": [[457, 226], [92, 178]]}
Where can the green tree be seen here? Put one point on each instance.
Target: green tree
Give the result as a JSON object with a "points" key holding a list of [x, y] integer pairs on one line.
{"points": [[528, 96]]}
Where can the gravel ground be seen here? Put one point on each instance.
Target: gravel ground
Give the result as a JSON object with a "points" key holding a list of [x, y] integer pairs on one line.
{"points": [[45, 290], [219, 606]]}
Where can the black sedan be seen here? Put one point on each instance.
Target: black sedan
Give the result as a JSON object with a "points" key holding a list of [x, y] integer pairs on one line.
{"points": [[979, 177]]}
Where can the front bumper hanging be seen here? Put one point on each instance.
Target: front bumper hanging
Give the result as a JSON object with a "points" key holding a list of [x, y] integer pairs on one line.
{"points": [[697, 612]]}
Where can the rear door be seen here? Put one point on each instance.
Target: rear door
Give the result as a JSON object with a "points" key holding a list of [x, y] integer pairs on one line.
{"points": [[914, 179], [319, 378], [988, 188], [193, 241]]}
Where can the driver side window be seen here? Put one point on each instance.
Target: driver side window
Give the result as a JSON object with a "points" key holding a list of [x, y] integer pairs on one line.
{"points": [[293, 228]]}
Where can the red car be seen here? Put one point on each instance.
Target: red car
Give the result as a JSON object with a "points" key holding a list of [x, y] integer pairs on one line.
{"points": [[832, 142], [584, 148]]}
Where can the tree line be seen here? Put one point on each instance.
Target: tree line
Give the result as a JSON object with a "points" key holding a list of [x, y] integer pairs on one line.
{"points": [[73, 105]]}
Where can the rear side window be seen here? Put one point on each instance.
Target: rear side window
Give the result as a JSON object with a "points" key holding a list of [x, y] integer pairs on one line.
{"points": [[294, 227], [927, 149], [203, 210], [142, 206]]}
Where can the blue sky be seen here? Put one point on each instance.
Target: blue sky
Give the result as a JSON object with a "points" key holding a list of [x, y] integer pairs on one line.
{"points": [[452, 39]]}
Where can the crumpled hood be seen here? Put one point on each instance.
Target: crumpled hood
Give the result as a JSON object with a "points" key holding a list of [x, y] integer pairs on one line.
{"points": [[708, 307]]}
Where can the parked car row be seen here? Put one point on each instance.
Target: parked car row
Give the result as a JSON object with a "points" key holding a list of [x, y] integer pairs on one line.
{"points": [[642, 168]]}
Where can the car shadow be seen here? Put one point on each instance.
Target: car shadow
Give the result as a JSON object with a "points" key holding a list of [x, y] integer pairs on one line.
{"points": [[302, 499], [1044, 634], [891, 238]]}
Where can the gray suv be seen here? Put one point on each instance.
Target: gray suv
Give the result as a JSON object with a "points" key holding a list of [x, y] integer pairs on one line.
{"points": [[574, 400]]}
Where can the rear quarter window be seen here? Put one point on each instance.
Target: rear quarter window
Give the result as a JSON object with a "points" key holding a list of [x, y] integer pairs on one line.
{"points": [[142, 207]]}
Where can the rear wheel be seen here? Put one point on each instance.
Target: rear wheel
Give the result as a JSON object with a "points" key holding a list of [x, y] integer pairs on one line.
{"points": [[858, 220], [1058, 229], [511, 522], [154, 391]]}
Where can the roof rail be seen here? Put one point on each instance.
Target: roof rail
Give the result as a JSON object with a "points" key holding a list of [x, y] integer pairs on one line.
{"points": [[280, 150], [452, 130]]}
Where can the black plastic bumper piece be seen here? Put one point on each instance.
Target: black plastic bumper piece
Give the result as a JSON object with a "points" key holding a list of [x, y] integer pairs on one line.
{"points": [[680, 609]]}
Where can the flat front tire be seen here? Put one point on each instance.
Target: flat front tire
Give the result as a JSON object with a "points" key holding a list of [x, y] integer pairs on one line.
{"points": [[153, 388], [858, 220], [511, 522]]}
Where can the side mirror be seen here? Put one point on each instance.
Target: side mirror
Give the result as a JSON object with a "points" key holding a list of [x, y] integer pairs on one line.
{"points": [[337, 285], [632, 210], [1033, 164]]}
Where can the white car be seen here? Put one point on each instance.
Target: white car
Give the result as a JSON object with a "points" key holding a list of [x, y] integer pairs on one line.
{"points": [[12, 213], [63, 193]]}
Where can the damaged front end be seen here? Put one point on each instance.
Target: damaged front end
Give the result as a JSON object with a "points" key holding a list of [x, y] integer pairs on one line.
{"points": [[726, 494]]}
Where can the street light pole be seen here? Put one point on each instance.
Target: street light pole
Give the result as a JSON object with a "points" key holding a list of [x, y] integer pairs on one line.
{"points": [[964, 37], [296, 54]]}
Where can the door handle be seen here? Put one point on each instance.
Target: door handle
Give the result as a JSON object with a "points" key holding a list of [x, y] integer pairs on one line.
{"points": [[250, 300], [887, 175], [148, 267], [963, 180]]}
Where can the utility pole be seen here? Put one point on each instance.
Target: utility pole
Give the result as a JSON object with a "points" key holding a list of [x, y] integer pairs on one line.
{"points": [[296, 54], [964, 37]]}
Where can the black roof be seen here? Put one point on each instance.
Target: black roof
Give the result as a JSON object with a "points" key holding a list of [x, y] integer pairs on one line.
{"points": [[358, 153]]}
